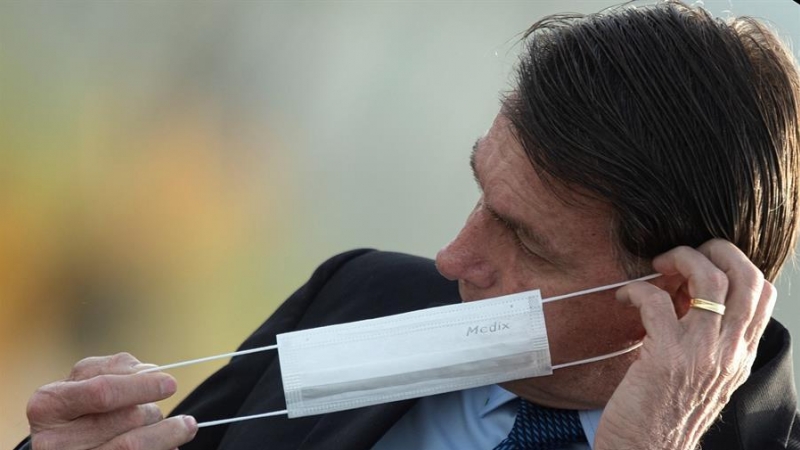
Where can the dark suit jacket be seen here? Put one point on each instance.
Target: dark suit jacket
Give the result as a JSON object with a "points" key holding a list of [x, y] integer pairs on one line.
{"points": [[364, 284]]}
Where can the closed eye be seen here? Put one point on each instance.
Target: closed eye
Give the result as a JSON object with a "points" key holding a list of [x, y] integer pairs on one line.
{"points": [[515, 231]]}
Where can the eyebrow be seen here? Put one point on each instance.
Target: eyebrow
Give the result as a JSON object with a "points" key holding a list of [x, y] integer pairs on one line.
{"points": [[511, 222], [473, 164]]}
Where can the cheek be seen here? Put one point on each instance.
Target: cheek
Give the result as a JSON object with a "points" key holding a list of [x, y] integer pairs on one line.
{"points": [[581, 328]]}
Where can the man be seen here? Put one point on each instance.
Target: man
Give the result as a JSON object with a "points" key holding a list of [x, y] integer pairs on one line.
{"points": [[639, 140]]}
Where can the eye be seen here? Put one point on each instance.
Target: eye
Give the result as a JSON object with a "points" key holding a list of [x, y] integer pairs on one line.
{"points": [[521, 243], [515, 232]]}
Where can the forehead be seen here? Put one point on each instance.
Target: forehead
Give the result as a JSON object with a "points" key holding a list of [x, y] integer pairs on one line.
{"points": [[568, 221]]}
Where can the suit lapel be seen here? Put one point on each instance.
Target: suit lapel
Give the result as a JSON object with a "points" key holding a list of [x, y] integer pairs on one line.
{"points": [[760, 413]]}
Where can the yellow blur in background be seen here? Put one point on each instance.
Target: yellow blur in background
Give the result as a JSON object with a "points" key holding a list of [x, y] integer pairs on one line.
{"points": [[170, 172], [140, 210]]}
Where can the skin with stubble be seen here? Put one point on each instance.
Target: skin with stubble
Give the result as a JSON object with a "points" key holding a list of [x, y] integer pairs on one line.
{"points": [[522, 236]]}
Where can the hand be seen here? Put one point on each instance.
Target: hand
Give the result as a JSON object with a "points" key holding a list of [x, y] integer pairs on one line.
{"points": [[106, 405], [688, 366]]}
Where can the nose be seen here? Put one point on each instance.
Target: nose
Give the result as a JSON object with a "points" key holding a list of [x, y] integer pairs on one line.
{"points": [[466, 257]]}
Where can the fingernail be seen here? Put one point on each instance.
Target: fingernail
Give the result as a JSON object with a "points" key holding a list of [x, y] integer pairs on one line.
{"points": [[191, 423], [168, 386]]}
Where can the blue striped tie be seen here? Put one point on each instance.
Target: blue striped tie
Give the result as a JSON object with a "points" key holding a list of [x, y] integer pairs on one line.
{"points": [[540, 428]]}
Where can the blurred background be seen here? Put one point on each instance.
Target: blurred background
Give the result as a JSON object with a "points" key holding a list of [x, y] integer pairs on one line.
{"points": [[170, 172]]}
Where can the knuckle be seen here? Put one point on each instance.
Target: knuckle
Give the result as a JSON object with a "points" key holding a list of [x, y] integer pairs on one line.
{"points": [[745, 374], [724, 397], [729, 365], [751, 273], [716, 399], [719, 244], [718, 247], [149, 414], [124, 359], [716, 280], [683, 251], [85, 365], [41, 404], [92, 366], [36, 409], [769, 289], [751, 277]]}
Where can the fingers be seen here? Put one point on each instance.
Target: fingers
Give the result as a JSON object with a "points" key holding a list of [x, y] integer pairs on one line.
{"points": [[720, 272], [105, 403], [704, 280], [93, 430], [163, 435], [655, 306], [716, 271], [119, 364], [690, 366], [763, 312], [747, 284], [105, 427], [67, 400]]}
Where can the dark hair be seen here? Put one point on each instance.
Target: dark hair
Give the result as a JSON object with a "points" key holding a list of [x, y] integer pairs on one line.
{"points": [[686, 125]]}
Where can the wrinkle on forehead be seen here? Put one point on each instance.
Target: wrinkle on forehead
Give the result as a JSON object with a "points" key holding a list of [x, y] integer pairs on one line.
{"points": [[512, 186], [504, 134]]}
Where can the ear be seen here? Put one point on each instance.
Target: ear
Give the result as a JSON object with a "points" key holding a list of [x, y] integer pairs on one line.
{"points": [[675, 286]]}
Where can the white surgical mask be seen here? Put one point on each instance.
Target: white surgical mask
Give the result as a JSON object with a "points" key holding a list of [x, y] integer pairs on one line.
{"points": [[416, 354]]}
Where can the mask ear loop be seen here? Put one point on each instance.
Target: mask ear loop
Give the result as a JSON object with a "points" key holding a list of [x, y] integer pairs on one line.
{"points": [[275, 347], [591, 291], [212, 423], [599, 358], [599, 289], [209, 358]]}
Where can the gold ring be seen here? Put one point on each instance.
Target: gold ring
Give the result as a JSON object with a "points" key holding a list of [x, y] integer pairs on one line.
{"points": [[714, 307]]}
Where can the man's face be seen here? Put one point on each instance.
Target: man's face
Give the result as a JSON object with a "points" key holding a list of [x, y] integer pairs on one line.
{"points": [[521, 236]]}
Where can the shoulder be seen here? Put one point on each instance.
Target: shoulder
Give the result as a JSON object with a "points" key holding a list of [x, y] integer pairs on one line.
{"points": [[770, 388], [366, 283], [368, 269]]}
